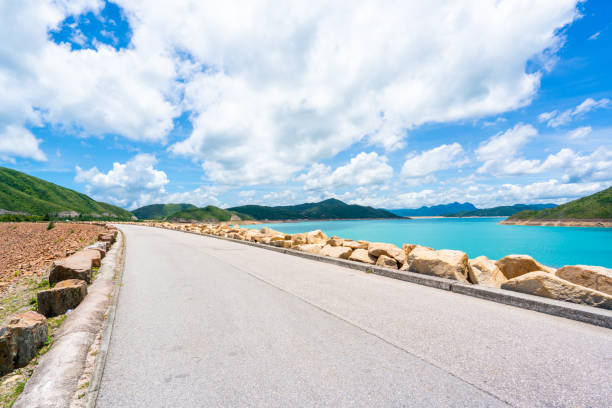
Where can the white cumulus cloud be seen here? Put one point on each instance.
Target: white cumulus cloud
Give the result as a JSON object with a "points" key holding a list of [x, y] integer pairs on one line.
{"points": [[15, 141], [440, 158], [130, 185], [362, 170]]}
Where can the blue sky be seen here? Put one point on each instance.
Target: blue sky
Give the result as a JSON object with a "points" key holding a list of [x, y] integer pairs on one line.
{"points": [[394, 106]]}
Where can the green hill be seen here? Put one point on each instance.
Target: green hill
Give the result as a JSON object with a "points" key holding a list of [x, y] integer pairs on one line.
{"points": [[328, 209], [160, 211], [596, 206], [502, 211], [20, 192], [208, 213]]}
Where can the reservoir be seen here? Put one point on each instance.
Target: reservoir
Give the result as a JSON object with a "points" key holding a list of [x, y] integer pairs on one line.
{"points": [[552, 246]]}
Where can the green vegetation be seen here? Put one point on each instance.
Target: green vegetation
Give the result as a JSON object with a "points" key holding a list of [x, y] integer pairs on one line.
{"points": [[503, 211], [209, 213], [596, 206], [160, 211], [324, 210], [31, 196], [51, 225]]}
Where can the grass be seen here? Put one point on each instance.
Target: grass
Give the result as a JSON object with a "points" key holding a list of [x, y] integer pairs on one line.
{"points": [[596, 206], [50, 225], [40, 198]]}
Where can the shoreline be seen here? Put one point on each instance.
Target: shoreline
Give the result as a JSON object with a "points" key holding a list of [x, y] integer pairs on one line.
{"points": [[598, 223]]}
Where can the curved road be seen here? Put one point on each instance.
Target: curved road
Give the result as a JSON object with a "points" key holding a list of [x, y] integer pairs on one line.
{"points": [[206, 322]]}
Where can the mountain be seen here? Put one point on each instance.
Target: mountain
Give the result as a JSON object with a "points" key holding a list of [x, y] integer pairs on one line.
{"points": [[596, 206], [502, 211], [324, 210], [160, 211], [435, 210], [209, 213], [21, 193]]}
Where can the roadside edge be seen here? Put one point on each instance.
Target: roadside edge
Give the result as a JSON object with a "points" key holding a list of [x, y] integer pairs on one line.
{"points": [[107, 331]]}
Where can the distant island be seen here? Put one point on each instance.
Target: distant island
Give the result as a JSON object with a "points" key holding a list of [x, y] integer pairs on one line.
{"points": [[501, 211], [467, 210], [27, 198], [591, 211], [434, 210]]}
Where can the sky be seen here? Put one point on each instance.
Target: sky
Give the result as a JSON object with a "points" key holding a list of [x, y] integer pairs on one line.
{"points": [[382, 103]]}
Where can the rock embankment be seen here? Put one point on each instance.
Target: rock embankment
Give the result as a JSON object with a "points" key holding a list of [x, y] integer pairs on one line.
{"points": [[598, 223], [581, 284]]}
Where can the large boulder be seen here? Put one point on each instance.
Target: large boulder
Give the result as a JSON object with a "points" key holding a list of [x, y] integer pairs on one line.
{"points": [[29, 332], [485, 272], [336, 251], [311, 248], [99, 246], [594, 277], [386, 261], [76, 266], [444, 263], [94, 255], [67, 294], [316, 237], [362, 255], [355, 244], [545, 284], [282, 243], [381, 248], [513, 266], [270, 231]]}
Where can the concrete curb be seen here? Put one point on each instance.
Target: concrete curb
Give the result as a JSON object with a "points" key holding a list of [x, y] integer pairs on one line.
{"points": [[581, 313], [96, 378], [55, 378]]}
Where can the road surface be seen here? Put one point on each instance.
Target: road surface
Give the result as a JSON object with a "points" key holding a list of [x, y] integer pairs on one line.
{"points": [[203, 322]]}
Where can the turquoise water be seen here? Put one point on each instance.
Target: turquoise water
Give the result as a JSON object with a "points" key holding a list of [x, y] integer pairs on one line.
{"points": [[553, 246]]}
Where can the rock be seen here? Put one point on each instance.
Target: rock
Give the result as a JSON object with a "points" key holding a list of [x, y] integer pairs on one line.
{"points": [[444, 263], [299, 239], [282, 243], [545, 284], [336, 251], [67, 294], [355, 244], [311, 248], [316, 237], [29, 332], [8, 350], [594, 277], [107, 238], [386, 261], [99, 246], [485, 272], [76, 266], [335, 241], [407, 248], [381, 248], [94, 255], [517, 265], [270, 231], [362, 255]]}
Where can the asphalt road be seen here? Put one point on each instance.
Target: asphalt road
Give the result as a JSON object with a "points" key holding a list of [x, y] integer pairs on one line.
{"points": [[206, 322]]}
